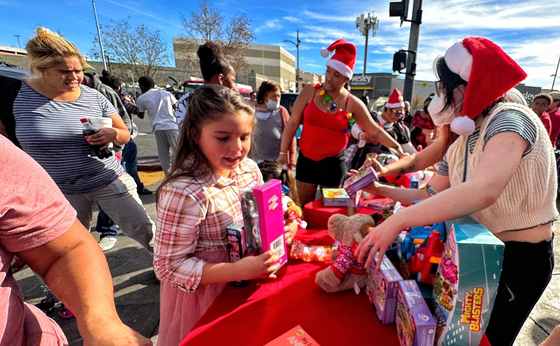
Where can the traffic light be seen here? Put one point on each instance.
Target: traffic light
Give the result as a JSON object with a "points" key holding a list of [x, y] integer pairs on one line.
{"points": [[399, 9], [399, 61]]}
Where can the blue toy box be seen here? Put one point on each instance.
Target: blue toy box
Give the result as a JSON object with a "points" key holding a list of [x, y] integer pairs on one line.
{"points": [[466, 283]]}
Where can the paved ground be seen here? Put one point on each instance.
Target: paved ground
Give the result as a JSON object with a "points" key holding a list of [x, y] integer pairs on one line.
{"points": [[137, 293]]}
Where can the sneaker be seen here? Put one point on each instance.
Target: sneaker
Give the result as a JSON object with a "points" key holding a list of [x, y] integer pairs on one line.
{"points": [[107, 243], [144, 191]]}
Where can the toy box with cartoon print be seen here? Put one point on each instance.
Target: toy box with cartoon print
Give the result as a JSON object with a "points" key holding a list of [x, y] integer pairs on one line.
{"points": [[414, 321], [360, 180], [337, 198], [381, 288], [466, 283]]}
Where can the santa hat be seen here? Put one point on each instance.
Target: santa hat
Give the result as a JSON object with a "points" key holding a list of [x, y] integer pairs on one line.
{"points": [[489, 73], [343, 59], [395, 100]]}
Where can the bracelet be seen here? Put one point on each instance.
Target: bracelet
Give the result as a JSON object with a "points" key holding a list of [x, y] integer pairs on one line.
{"points": [[282, 153]]}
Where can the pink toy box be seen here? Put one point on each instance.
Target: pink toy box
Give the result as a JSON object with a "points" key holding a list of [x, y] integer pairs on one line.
{"points": [[381, 288], [363, 178], [466, 283], [271, 218], [415, 323]]}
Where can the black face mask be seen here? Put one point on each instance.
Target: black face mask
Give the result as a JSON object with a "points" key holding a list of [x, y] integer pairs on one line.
{"points": [[426, 110]]}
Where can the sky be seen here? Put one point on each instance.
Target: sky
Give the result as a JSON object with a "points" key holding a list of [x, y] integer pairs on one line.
{"points": [[529, 31]]}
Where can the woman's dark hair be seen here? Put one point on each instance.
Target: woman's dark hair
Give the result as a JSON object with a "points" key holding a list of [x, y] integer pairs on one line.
{"points": [[208, 103], [266, 86], [274, 170], [450, 81], [211, 61]]}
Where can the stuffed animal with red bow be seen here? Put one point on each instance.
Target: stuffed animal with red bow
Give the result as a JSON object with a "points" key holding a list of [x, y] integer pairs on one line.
{"points": [[345, 270]]}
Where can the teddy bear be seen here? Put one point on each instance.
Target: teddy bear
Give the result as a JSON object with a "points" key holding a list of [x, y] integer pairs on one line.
{"points": [[345, 270]]}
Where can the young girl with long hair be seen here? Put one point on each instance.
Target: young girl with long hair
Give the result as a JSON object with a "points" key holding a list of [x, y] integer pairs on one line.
{"points": [[196, 203]]}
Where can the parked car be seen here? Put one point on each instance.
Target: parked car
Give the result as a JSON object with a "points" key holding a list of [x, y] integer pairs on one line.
{"points": [[287, 100], [12, 71]]}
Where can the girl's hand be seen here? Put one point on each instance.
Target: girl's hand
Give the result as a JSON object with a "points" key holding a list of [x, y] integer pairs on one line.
{"points": [[104, 137], [376, 242], [260, 266], [290, 230], [282, 159]]}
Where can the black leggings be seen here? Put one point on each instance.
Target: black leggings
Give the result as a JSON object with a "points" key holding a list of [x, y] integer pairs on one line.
{"points": [[329, 172], [527, 270]]}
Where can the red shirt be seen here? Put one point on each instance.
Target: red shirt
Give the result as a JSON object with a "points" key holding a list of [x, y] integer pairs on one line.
{"points": [[545, 118], [324, 134], [555, 131]]}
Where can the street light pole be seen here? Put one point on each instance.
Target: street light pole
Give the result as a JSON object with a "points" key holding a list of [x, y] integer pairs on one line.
{"points": [[19, 44], [99, 35], [297, 61], [555, 73]]}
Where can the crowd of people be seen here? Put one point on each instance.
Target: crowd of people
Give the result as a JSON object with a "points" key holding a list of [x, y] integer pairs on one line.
{"points": [[492, 156]]}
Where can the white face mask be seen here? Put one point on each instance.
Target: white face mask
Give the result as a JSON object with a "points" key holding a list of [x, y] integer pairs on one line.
{"points": [[438, 117], [272, 105]]}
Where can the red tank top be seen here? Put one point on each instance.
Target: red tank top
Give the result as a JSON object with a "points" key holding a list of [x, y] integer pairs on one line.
{"points": [[324, 134]]}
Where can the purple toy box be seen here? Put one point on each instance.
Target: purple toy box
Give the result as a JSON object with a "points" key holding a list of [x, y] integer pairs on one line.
{"points": [[271, 218], [381, 288], [362, 179], [415, 323], [237, 247]]}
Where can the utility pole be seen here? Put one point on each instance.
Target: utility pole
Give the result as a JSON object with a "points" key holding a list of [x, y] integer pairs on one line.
{"points": [[19, 44], [297, 61], [555, 73], [99, 35], [412, 47]]}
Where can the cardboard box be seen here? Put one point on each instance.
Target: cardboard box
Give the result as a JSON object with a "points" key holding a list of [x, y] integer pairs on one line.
{"points": [[271, 218], [337, 198], [381, 288], [466, 283], [415, 323], [295, 336], [363, 178]]}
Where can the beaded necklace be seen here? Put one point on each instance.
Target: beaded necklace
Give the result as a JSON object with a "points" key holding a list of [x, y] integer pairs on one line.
{"points": [[328, 99]]}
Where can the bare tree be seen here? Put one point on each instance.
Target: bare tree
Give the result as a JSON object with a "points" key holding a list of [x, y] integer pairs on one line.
{"points": [[207, 24], [143, 50]]}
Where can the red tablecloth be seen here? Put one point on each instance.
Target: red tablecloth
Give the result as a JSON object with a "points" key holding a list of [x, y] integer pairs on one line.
{"points": [[265, 309], [317, 215]]}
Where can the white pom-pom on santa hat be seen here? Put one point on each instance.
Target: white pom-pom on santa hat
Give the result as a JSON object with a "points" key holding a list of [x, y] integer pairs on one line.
{"points": [[463, 126], [344, 57]]}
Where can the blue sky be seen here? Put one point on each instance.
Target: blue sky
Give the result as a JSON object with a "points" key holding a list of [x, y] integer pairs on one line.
{"points": [[529, 31]]}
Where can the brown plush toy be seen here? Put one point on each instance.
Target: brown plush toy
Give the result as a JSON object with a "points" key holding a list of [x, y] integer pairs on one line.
{"points": [[345, 269]]}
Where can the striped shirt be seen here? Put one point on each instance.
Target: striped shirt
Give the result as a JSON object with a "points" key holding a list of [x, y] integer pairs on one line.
{"points": [[507, 121], [50, 131], [192, 216]]}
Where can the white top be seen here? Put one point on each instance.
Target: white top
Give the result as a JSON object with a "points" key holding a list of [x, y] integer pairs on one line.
{"points": [[159, 105]]}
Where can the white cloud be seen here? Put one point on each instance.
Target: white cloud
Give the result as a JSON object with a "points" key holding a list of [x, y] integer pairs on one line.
{"points": [[269, 25], [291, 19]]}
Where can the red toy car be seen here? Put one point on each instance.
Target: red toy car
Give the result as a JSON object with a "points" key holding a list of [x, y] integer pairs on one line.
{"points": [[425, 260]]}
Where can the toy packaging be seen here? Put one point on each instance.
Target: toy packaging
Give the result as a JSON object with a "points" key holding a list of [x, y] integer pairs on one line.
{"points": [[363, 178], [381, 289], [415, 323], [295, 336], [237, 247], [336, 198], [466, 283], [271, 218], [250, 219]]}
